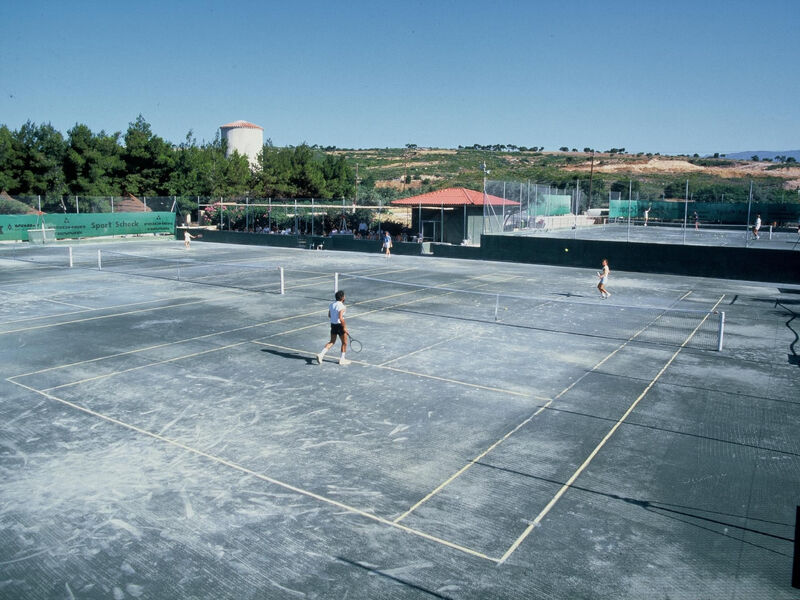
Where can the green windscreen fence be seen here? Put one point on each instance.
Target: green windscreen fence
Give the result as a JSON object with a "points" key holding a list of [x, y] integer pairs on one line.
{"points": [[70, 225], [550, 205], [707, 212]]}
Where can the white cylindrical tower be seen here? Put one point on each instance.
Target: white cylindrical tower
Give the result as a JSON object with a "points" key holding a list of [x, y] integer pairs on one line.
{"points": [[245, 138]]}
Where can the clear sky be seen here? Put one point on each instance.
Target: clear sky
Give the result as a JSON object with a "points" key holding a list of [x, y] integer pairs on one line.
{"points": [[670, 76]]}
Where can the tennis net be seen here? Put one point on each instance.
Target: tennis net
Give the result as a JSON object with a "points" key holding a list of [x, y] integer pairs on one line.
{"points": [[46, 255], [672, 326], [253, 276]]}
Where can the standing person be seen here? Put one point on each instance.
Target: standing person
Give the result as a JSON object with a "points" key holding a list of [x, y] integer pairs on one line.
{"points": [[387, 244], [757, 226], [338, 328], [646, 215], [603, 275], [696, 221], [187, 238]]}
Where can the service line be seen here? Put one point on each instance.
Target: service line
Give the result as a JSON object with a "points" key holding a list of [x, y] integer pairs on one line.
{"points": [[602, 443], [261, 476]]}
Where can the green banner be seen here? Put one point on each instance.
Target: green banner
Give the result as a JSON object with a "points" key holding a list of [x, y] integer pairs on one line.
{"points": [[15, 227]]}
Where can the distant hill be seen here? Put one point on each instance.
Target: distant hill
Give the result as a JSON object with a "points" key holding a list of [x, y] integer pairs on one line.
{"points": [[762, 154]]}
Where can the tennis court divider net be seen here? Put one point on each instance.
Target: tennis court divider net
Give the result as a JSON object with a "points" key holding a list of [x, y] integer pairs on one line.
{"points": [[603, 319], [51, 255], [257, 277]]}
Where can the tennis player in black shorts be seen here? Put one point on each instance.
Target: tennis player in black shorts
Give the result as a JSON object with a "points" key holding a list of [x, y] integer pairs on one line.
{"points": [[338, 328]]}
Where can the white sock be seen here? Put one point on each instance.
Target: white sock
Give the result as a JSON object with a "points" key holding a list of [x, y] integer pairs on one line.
{"points": [[343, 355], [324, 350]]}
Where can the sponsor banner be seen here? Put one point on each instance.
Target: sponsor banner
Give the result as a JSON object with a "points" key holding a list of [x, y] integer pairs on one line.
{"points": [[15, 227]]}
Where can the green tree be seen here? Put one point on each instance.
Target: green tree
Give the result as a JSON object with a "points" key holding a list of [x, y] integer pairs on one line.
{"points": [[272, 179], [93, 163], [237, 176], [148, 160], [623, 186], [339, 177], [9, 161], [41, 152], [307, 178]]}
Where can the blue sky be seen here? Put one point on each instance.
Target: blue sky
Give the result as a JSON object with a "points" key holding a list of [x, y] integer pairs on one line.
{"points": [[667, 76]]}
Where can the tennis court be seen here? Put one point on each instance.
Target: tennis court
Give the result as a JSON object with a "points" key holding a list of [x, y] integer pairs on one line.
{"points": [[167, 431], [706, 234]]}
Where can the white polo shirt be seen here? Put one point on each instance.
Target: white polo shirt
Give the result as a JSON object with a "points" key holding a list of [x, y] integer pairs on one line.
{"points": [[336, 310]]}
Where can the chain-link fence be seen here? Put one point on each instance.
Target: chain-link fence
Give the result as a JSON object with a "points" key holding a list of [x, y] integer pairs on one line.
{"points": [[712, 213], [302, 216], [513, 206], [20, 205]]}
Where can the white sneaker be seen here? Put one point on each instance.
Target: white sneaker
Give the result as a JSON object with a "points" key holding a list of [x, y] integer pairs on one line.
{"points": [[608, 294], [344, 361], [319, 358]]}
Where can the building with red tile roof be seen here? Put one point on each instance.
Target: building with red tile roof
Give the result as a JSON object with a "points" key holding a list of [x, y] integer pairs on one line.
{"points": [[455, 196], [436, 218]]}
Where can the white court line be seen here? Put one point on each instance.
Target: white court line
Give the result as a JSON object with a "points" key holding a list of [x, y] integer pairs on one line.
{"points": [[85, 310], [205, 336], [413, 373], [548, 403], [175, 343], [130, 312], [439, 343], [602, 443], [140, 367], [71, 305], [261, 476]]}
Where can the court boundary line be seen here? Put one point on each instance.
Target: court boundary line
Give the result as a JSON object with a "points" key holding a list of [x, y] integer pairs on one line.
{"points": [[261, 476], [541, 409], [84, 310], [407, 372], [99, 317], [204, 336], [393, 523], [568, 484]]}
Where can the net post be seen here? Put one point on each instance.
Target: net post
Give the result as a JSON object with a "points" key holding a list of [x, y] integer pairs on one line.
{"points": [[99, 261], [282, 289], [335, 282], [70, 256], [496, 306], [770, 232], [721, 332]]}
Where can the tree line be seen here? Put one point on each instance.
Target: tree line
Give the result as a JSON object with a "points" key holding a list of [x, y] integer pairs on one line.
{"points": [[39, 160]]}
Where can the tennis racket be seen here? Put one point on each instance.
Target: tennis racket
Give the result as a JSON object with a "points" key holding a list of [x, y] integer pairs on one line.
{"points": [[353, 343]]}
